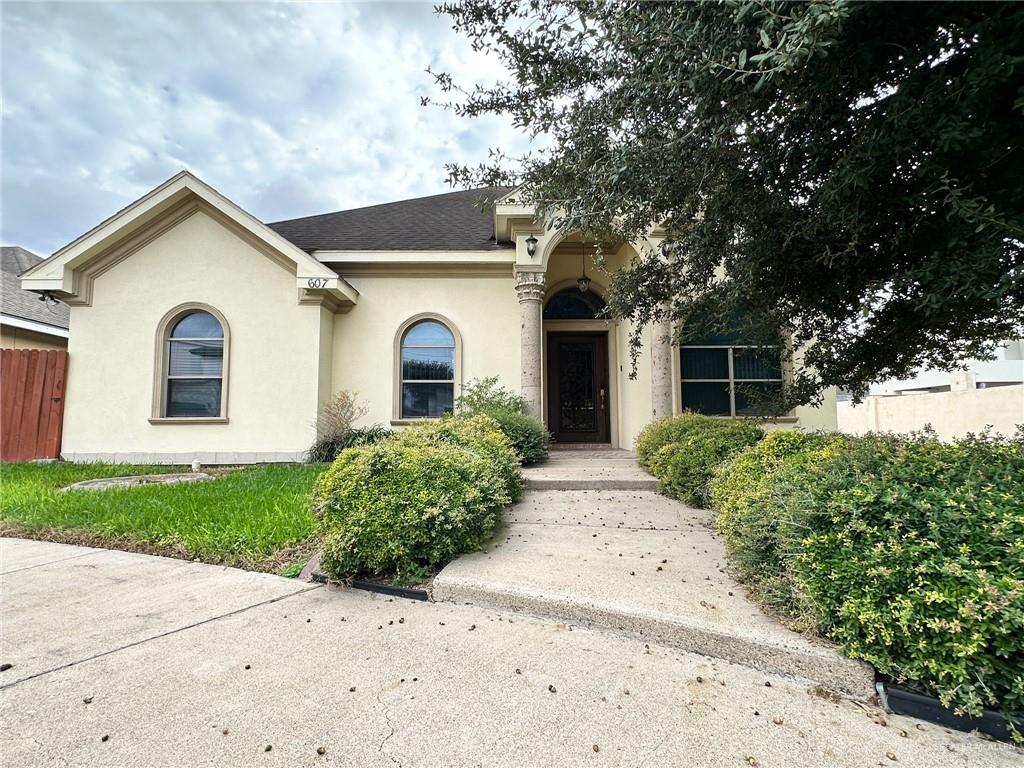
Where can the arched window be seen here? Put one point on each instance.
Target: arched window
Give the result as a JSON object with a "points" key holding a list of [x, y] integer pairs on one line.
{"points": [[191, 366], [574, 304], [428, 354]]}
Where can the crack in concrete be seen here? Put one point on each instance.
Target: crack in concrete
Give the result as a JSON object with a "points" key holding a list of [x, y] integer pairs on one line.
{"points": [[391, 732]]}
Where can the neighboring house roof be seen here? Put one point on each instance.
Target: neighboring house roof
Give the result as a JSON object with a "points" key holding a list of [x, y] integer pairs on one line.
{"points": [[18, 304], [452, 221]]}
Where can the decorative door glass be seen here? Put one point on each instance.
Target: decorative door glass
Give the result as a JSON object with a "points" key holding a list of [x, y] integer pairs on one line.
{"points": [[578, 406]]}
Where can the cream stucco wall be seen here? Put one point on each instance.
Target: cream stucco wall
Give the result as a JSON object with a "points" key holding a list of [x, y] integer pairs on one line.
{"points": [[286, 359], [483, 309], [275, 349], [20, 338], [951, 414]]}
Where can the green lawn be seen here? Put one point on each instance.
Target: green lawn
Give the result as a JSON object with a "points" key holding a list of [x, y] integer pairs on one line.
{"points": [[256, 517]]}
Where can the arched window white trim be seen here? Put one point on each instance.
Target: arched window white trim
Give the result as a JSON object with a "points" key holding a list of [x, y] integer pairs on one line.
{"points": [[428, 367], [190, 382]]}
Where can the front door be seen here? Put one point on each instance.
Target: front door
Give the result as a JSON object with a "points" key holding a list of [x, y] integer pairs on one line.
{"points": [[578, 408]]}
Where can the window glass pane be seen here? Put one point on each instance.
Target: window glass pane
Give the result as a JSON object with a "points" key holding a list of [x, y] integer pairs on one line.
{"points": [[196, 358], [573, 304], [430, 363], [711, 398], [705, 363], [429, 333], [198, 325], [758, 398], [427, 400], [756, 363], [193, 397]]}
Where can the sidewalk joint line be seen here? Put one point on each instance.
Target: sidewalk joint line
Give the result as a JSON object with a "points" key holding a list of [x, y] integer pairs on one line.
{"points": [[161, 635], [51, 562]]}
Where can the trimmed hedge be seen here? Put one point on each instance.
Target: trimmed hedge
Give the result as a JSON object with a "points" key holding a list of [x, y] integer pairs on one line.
{"points": [[478, 433], [409, 505], [906, 551], [683, 451]]}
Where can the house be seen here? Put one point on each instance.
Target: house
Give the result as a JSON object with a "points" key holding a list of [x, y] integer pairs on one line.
{"points": [[203, 333], [26, 321]]}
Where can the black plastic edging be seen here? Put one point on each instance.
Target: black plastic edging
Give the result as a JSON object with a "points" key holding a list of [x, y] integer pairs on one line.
{"points": [[389, 589], [904, 702]]}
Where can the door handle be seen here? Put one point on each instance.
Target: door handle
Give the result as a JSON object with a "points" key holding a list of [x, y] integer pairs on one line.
{"points": [[602, 398]]}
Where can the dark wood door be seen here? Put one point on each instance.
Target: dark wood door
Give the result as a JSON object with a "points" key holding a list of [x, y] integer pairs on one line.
{"points": [[577, 387]]}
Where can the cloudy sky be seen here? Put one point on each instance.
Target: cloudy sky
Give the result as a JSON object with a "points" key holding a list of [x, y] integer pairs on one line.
{"points": [[288, 109]]}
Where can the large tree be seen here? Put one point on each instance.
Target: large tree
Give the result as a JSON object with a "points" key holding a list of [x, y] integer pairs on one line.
{"points": [[850, 173]]}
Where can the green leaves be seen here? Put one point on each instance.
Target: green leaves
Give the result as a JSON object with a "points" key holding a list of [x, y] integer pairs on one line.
{"points": [[904, 550], [854, 167], [414, 502], [683, 451]]}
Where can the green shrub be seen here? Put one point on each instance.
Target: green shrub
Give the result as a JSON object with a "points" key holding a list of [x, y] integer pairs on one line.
{"points": [[478, 433], [481, 395], [327, 448], [410, 504], [906, 551], [400, 508], [746, 494], [529, 437], [682, 451]]}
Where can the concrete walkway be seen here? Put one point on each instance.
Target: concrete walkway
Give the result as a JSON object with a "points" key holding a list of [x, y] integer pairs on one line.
{"points": [[635, 562], [125, 660]]}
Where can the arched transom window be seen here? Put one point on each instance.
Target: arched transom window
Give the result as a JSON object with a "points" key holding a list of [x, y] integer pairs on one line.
{"points": [[428, 354], [574, 304], [194, 366]]}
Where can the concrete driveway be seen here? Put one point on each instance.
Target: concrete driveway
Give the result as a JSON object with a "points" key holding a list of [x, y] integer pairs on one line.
{"points": [[130, 660]]}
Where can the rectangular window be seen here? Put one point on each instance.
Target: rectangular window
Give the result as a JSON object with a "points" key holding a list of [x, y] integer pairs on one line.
{"points": [[194, 373], [730, 381], [427, 400], [193, 397]]}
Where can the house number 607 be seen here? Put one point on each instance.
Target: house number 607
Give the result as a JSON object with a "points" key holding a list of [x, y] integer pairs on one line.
{"points": [[317, 282]]}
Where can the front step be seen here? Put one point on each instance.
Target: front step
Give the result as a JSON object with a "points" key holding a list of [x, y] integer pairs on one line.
{"points": [[816, 664], [549, 483], [589, 470]]}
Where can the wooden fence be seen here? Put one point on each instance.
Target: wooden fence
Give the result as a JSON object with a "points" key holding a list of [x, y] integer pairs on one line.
{"points": [[31, 403]]}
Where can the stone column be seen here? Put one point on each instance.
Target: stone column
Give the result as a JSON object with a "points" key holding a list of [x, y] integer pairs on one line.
{"points": [[530, 290], [661, 370]]}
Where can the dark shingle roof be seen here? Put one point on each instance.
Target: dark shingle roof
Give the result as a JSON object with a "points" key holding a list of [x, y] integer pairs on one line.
{"points": [[24, 304], [447, 222]]}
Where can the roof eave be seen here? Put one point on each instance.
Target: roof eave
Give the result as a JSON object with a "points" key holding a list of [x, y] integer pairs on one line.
{"points": [[56, 274]]}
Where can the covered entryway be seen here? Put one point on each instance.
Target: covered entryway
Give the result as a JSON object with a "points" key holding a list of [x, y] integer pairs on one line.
{"points": [[577, 387], [578, 401]]}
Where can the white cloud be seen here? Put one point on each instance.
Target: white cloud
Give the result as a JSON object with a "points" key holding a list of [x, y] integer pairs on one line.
{"points": [[288, 109]]}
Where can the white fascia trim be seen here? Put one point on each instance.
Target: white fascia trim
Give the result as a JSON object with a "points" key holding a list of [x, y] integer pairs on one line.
{"points": [[57, 268], [31, 325], [497, 256]]}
